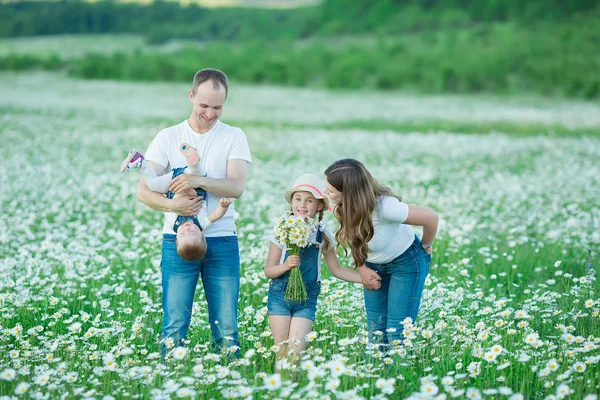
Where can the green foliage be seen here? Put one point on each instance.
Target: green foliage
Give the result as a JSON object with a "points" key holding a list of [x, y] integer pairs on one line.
{"points": [[164, 20], [159, 21], [20, 62], [500, 46], [502, 59]]}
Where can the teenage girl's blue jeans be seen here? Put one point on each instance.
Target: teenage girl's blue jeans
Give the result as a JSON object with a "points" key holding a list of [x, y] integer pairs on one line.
{"points": [[402, 283], [220, 273]]}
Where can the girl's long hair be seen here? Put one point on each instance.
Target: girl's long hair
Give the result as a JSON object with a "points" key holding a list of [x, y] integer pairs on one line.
{"points": [[355, 213]]}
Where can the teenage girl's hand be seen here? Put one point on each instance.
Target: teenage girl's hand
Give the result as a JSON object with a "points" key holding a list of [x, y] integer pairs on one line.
{"points": [[374, 284], [291, 262], [370, 279]]}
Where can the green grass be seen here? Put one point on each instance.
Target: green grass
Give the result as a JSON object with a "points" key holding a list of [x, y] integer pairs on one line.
{"points": [[518, 217], [465, 127]]}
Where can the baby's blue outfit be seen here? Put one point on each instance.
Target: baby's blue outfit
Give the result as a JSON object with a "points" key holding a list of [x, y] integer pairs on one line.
{"points": [[183, 218]]}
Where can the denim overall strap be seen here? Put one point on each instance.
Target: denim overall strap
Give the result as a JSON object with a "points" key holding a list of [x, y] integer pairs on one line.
{"points": [[183, 218], [309, 263], [180, 171], [319, 238]]}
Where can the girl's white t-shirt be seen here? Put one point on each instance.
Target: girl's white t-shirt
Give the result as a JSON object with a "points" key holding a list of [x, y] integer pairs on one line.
{"points": [[215, 148], [391, 236]]}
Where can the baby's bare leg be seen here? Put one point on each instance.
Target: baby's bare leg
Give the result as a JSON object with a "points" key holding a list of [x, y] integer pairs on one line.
{"points": [[156, 183]]}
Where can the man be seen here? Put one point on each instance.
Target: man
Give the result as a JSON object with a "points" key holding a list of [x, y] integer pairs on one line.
{"points": [[224, 154]]}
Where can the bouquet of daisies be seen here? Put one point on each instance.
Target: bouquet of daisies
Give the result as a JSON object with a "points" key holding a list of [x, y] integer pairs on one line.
{"points": [[293, 233]]}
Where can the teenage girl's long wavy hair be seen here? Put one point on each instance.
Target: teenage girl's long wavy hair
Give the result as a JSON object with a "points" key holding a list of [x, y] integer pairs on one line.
{"points": [[355, 212]]}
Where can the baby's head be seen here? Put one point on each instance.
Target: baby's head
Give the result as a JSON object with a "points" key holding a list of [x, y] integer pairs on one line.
{"points": [[307, 196], [191, 244]]}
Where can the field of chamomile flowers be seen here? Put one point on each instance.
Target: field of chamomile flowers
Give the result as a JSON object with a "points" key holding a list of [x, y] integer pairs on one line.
{"points": [[510, 310]]}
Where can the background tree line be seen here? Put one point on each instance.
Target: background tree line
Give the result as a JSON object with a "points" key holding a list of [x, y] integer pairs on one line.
{"points": [[162, 20], [459, 46]]}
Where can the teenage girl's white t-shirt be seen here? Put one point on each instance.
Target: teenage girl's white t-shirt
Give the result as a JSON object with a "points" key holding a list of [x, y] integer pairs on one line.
{"points": [[391, 236], [215, 147]]}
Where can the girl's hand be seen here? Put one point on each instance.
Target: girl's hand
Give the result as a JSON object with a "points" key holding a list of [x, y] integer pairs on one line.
{"points": [[370, 279], [428, 251], [291, 262], [374, 284]]}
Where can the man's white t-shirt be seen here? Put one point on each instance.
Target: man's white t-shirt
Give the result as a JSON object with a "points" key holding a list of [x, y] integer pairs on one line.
{"points": [[391, 236], [215, 147]]}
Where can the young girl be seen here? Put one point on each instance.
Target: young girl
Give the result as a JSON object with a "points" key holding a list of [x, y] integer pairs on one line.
{"points": [[290, 320], [191, 244]]}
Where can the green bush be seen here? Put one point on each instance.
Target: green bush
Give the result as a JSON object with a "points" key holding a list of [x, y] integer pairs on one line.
{"points": [[545, 58]]}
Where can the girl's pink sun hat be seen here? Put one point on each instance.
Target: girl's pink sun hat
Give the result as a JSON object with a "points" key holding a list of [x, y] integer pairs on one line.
{"points": [[308, 183]]}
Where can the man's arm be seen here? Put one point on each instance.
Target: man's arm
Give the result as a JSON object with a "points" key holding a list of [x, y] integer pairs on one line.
{"points": [[231, 186], [181, 205]]}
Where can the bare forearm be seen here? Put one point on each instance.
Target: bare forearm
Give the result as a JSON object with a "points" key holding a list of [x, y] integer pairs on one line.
{"points": [[272, 267], [346, 275], [217, 213], [232, 186], [222, 187], [154, 200], [275, 271], [430, 228], [180, 205], [338, 271]]}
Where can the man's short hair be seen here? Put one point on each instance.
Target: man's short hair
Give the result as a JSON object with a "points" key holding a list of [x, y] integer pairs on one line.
{"points": [[218, 78]]}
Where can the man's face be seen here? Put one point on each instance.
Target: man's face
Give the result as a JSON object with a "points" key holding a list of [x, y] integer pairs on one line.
{"points": [[207, 106]]}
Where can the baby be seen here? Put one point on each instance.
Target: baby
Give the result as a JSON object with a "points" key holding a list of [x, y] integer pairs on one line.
{"points": [[191, 243]]}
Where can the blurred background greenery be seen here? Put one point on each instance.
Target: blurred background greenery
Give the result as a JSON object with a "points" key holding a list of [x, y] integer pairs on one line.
{"points": [[546, 47]]}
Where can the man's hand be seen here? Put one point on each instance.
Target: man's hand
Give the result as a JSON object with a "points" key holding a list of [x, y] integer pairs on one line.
{"points": [[186, 205], [370, 279], [184, 182], [291, 262], [191, 193]]}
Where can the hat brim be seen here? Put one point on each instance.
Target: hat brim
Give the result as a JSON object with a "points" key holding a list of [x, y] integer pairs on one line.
{"points": [[290, 192]]}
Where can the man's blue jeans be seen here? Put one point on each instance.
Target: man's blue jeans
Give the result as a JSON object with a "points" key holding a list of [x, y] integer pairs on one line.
{"points": [[220, 273], [402, 283]]}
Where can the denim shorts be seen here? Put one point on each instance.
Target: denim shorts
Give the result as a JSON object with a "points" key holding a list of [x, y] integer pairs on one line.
{"points": [[278, 305]]}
